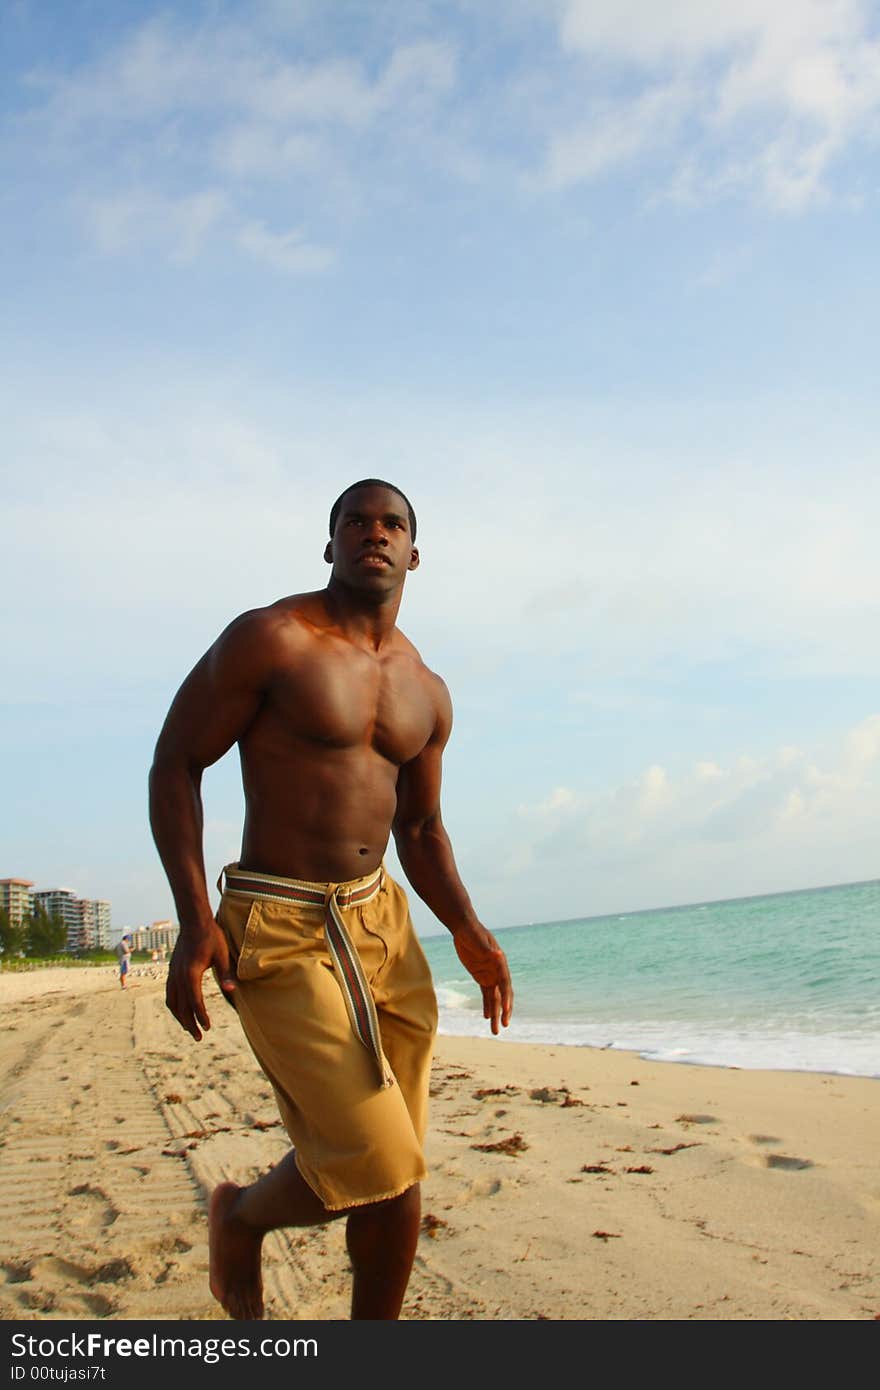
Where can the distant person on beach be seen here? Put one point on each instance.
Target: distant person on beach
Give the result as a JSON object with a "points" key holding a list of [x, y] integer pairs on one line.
{"points": [[123, 951], [341, 729]]}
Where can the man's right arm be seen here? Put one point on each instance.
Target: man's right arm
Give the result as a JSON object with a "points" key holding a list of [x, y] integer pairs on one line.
{"points": [[211, 711]]}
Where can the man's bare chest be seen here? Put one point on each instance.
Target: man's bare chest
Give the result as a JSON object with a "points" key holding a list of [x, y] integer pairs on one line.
{"points": [[355, 703]]}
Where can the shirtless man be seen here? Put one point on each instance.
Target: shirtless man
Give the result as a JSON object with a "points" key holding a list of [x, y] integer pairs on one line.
{"points": [[341, 729]]}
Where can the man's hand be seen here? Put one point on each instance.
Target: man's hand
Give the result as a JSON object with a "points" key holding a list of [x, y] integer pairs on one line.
{"points": [[192, 956], [483, 958]]}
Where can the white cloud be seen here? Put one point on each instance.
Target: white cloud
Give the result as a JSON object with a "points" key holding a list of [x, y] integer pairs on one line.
{"points": [[706, 771], [560, 799], [178, 228], [863, 746], [654, 791], [774, 92], [259, 149], [613, 135], [167, 69], [417, 70], [688, 31], [177, 99], [144, 219], [287, 251]]}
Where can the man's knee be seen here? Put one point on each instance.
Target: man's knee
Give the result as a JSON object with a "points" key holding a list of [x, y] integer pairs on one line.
{"points": [[390, 1211]]}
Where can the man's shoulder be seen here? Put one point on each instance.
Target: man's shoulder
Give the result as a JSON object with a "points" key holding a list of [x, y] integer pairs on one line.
{"points": [[284, 618], [434, 683]]}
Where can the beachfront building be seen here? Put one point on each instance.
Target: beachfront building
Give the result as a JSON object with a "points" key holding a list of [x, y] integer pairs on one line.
{"points": [[156, 937], [86, 920], [16, 899], [94, 924], [63, 904]]}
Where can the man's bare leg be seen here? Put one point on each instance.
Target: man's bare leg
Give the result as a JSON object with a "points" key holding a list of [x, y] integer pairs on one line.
{"points": [[234, 1259], [239, 1218], [381, 1238]]}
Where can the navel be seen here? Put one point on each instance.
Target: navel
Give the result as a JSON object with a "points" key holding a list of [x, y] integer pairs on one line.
{"points": [[365, 850]]}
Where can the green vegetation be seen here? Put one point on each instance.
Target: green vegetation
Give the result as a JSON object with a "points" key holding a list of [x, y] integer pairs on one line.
{"points": [[11, 937], [37, 936], [43, 935]]}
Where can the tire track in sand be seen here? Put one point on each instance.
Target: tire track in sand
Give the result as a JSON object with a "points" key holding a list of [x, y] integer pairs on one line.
{"points": [[89, 1205]]}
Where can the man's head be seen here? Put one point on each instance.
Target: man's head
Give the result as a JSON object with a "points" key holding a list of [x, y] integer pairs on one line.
{"points": [[372, 482], [372, 529]]}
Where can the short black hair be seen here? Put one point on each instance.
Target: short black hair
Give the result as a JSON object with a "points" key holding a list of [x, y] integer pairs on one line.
{"points": [[372, 482]]}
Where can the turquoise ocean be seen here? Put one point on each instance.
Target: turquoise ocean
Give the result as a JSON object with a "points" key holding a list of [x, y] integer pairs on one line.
{"points": [[785, 981]]}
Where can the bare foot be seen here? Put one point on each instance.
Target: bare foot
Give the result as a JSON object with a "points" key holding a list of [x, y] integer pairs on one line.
{"points": [[234, 1262]]}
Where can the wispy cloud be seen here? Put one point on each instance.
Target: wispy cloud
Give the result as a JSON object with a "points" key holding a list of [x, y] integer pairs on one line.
{"points": [[287, 251], [142, 219], [615, 134], [179, 99], [167, 67], [765, 97]]}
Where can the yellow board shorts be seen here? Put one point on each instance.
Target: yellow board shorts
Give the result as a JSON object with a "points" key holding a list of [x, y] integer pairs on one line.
{"points": [[355, 1140]]}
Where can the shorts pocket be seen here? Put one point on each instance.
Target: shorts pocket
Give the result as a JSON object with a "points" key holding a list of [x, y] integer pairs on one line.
{"points": [[247, 966]]}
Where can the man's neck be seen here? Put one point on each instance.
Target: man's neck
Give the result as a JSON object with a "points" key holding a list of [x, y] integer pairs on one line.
{"points": [[366, 619]]}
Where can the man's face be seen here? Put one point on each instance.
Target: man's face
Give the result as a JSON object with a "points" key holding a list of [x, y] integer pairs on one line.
{"points": [[371, 547]]}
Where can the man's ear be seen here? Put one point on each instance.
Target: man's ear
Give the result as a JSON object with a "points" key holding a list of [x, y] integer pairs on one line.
{"points": [[328, 552], [413, 560]]}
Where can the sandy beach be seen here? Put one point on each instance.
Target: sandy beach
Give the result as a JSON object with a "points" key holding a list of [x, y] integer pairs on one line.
{"points": [[565, 1183]]}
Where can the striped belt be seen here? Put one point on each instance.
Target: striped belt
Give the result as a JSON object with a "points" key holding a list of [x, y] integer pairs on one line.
{"points": [[333, 898]]}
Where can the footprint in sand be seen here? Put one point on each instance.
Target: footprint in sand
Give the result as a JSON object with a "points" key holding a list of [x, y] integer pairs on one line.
{"points": [[61, 1286], [68, 1305], [482, 1187], [99, 1209], [53, 1270], [786, 1162], [763, 1138]]}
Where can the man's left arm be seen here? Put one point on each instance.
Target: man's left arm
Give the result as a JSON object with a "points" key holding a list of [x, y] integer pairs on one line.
{"points": [[426, 857]]}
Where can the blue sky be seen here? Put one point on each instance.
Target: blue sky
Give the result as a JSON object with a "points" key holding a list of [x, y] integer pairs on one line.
{"points": [[594, 282]]}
